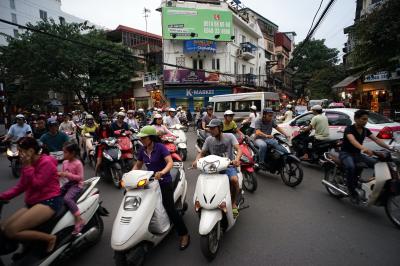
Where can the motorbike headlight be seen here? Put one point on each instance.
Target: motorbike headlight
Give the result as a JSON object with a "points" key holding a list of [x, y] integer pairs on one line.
{"points": [[132, 203], [10, 153], [211, 168], [108, 157]]}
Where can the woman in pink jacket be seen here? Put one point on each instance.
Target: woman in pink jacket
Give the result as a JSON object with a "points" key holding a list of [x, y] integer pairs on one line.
{"points": [[39, 181]]}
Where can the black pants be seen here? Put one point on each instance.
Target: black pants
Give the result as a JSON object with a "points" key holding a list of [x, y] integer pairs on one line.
{"points": [[169, 205]]}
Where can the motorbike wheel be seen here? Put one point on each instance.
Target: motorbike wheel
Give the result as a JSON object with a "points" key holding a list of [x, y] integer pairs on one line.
{"points": [[92, 161], [249, 181], [292, 174], [98, 223], [330, 176], [209, 243], [183, 154], [116, 175], [392, 208], [134, 257], [16, 167]]}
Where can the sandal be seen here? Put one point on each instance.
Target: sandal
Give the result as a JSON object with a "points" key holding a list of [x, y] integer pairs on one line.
{"points": [[183, 247], [235, 212]]}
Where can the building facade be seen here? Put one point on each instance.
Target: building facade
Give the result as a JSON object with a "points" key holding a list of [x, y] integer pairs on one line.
{"points": [[221, 53]]}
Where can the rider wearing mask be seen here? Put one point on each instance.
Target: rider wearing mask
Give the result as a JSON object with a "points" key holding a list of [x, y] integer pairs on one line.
{"points": [[54, 140], [131, 120], [119, 124], [288, 116], [207, 118], [223, 144], [354, 152], [252, 120], [171, 120], [263, 127], [321, 126], [19, 130], [230, 125], [39, 181], [158, 125], [67, 126], [102, 132], [40, 128], [157, 158]]}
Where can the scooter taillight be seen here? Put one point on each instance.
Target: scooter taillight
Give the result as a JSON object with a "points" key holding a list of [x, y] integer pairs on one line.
{"points": [[197, 205], [222, 206]]}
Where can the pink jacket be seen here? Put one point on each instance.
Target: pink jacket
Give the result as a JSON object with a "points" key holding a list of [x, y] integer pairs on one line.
{"points": [[74, 171], [39, 182]]}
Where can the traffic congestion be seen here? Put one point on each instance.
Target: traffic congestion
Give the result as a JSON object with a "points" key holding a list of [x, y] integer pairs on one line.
{"points": [[148, 156]]}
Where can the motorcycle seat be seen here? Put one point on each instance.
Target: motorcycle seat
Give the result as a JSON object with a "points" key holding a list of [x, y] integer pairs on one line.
{"points": [[325, 142], [175, 173]]}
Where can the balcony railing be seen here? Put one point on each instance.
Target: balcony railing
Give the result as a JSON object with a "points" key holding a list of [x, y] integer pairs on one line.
{"points": [[248, 50], [246, 80]]}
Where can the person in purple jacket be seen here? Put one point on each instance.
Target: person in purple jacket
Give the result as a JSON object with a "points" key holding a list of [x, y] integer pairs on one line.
{"points": [[39, 181], [157, 158]]}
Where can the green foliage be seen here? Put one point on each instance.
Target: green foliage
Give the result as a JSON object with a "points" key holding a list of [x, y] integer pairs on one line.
{"points": [[378, 38], [316, 69], [41, 63]]}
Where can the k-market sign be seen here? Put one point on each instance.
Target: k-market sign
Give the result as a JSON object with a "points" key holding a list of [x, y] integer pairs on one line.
{"points": [[199, 92]]}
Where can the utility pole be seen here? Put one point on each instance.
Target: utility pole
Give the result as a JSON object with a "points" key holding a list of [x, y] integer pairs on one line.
{"points": [[146, 13]]}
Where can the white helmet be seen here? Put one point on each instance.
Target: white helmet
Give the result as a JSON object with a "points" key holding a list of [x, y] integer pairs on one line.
{"points": [[171, 110], [253, 107], [156, 116], [316, 107], [121, 114], [229, 112], [289, 106], [122, 109], [20, 116], [140, 110]]}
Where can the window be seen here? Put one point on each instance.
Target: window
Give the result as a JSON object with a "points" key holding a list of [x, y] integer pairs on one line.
{"points": [[12, 4], [243, 38], [235, 68], [375, 118], [16, 33], [180, 61], [222, 106], [62, 20], [242, 106], [270, 47], [14, 18], [215, 64], [338, 119], [251, 70], [195, 64], [200, 64], [243, 69], [302, 120], [234, 34], [43, 14]]}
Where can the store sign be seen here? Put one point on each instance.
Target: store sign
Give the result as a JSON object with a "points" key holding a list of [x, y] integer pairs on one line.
{"points": [[185, 76], [199, 92], [380, 76], [192, 46], [189, 23]]}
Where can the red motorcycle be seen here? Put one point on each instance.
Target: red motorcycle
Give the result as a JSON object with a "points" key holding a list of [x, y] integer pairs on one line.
{"points": [[126, 147], [247, 164], [168, 141]]}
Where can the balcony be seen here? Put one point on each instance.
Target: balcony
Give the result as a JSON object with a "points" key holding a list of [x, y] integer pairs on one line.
{"points": [[151, 79], [249, 80], [247, 50]]}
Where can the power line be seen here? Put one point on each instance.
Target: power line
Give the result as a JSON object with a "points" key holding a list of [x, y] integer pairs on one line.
{"points": [[316, 13]]}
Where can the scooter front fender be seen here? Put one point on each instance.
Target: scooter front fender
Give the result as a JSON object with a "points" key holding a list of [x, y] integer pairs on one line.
{"points": [[182, 146], [208, 219]]}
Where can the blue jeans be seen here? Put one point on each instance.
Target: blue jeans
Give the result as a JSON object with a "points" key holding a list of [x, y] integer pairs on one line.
{"points": [[262, 145], [349, 161]]}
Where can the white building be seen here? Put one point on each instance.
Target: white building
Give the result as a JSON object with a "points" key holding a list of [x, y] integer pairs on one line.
{"points": [[240, 61], [30, 11]]}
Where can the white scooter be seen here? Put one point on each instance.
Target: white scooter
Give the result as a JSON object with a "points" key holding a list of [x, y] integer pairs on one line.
{"points": [[212, 201], [142, 222], [181, 140], [62, 225]]}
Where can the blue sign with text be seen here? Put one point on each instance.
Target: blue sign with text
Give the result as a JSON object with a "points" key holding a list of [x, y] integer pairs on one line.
{"points": [[192, 46]]}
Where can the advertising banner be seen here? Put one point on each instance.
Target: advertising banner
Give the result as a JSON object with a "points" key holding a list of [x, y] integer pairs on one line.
{"points": [[184, 76], [189, 23], [194, 46]]}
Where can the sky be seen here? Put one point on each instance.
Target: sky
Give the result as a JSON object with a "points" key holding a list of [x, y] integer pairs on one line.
{"points": [[289, 15]]}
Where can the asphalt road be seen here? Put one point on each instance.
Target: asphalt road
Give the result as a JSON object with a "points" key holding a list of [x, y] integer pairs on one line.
{"points": [[283, 226]]}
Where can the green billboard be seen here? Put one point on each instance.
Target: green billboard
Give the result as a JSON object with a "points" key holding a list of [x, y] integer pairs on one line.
{"points": [[189, 23]]}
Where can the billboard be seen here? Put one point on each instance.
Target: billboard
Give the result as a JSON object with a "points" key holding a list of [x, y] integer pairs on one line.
{"points": [[188, 23], [185, 76], [192, 46]]}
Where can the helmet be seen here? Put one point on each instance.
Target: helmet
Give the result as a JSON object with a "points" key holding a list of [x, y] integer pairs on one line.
{"points": [[156, 116], [171, 110], [229, 112], [215, 123], [289, 106], [89, 116], [147, 131], [52, 122], [60, 114], [316, 107], [130, 112], [140, 110], [122, 109], [253, 107], [20, 116], [209, 107], [179, 108], [103, 117], [268, 111], [121, 114]]}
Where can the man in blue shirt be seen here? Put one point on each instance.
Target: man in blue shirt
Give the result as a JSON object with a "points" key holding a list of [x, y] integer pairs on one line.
{"points": [[54, 139], [18, 130]]}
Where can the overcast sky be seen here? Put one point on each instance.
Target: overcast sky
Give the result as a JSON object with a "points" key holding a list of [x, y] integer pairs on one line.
{"points": [[289, 15]]}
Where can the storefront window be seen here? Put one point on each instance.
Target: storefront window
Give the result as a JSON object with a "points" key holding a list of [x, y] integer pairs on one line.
{"points": [[198, 103], [182, 102]]}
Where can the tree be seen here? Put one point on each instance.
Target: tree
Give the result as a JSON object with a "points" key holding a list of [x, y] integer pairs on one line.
{"points": [[42, 63], [316, 69], [377, 39]]}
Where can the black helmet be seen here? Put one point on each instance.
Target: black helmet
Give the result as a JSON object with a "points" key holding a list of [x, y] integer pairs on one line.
{"points": [[215, 123], [268, 111], [103, 117], [209, 107], [52, 122]]}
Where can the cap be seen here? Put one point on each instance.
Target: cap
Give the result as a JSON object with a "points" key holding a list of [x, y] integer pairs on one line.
{"points": [[140, 110], [268, 111], [20, 116], [121, 114], [316, 107], [147, 131], [229, 112], [52, 122], [215, 123], [253, 107], [171, 110], [157, 116], [209, 107], [289, 106], [130, 112], [89, 116]]}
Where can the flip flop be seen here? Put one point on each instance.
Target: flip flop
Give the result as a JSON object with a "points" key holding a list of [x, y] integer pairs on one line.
{"points": [[235, 212]]}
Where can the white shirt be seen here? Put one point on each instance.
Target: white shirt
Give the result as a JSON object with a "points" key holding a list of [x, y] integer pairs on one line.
{"points": [[252, 119], [171, 121], [288, 116]]}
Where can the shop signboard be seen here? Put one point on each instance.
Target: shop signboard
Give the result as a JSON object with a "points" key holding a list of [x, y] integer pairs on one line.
{"points": [[185, 76], [380, 76], [194, 46], [200, 92], [190, 23]]}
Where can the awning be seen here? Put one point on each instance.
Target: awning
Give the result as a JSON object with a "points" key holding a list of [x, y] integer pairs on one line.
{"points": [[347, 81]]}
